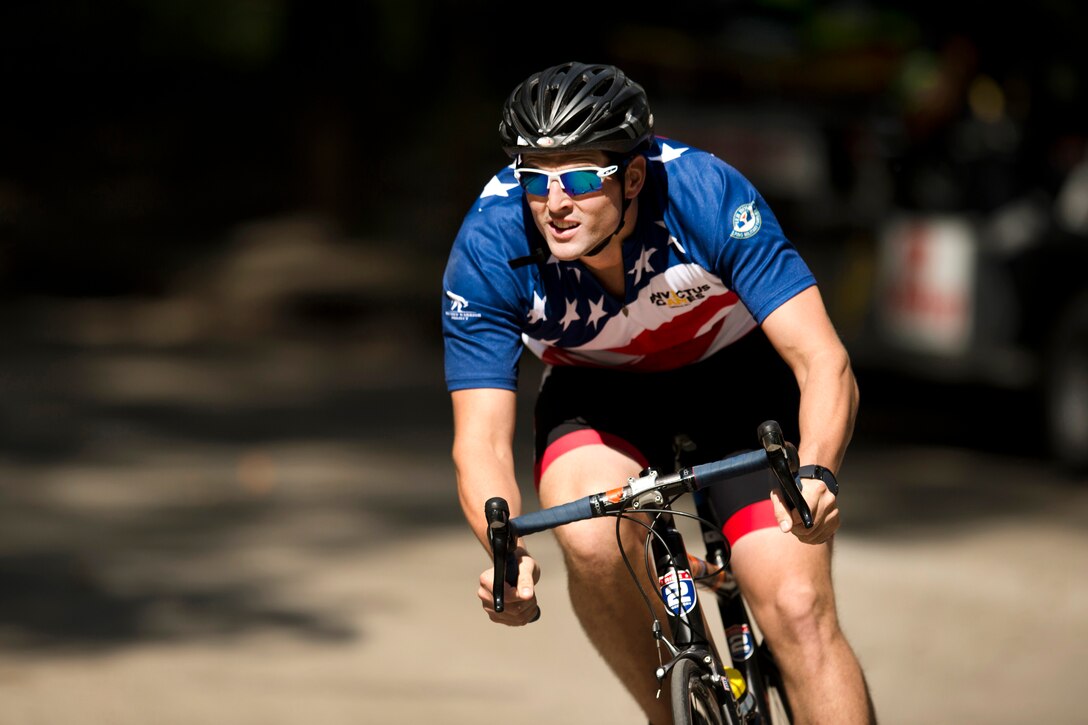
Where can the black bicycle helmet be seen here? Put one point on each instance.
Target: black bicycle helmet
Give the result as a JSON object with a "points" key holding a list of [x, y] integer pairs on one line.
{"points": [[576, 106]]}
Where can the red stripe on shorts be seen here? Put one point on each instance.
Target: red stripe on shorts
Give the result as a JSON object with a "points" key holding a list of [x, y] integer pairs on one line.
{"points": [[584, 437], [758, 515]]}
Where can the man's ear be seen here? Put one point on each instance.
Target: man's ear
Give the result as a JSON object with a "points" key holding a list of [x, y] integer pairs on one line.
{"points": [[636, 176]]}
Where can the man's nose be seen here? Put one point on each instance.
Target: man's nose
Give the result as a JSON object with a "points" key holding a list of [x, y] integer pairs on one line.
{"points": [[557, 196]]}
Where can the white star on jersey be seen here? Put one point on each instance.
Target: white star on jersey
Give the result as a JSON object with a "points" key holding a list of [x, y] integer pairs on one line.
{"points": [[572, 314], [537, 313], [496, 188], [596, 312], [668, 153], [672, 240], [642, 265]]}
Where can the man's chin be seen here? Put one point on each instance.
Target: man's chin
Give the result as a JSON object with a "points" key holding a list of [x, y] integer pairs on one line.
{"points": [[566, 251]]}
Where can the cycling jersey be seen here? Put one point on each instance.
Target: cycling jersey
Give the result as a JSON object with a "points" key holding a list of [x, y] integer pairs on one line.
{"points": [[705, 263]]}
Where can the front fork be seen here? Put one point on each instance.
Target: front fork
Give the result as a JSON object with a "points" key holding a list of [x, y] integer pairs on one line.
{"points": [[677, 591], [676, 586]]}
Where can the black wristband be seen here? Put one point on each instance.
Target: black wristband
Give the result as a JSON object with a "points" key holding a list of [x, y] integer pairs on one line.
{"points": [[821, 474]]}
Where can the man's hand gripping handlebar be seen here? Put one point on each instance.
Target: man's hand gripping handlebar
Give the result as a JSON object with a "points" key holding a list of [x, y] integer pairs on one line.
{"points": [[776, 454], [501, 536], [782, 459]]}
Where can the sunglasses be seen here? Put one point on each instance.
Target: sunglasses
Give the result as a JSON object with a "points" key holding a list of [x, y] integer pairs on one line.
{"points": [[575, 182]]}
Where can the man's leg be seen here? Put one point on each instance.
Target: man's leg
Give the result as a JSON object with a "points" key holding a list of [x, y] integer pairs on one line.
{"points": [[602, 592], [788, 586]]}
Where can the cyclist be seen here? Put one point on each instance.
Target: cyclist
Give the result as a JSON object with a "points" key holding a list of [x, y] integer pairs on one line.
{"points": [[656, 285]]}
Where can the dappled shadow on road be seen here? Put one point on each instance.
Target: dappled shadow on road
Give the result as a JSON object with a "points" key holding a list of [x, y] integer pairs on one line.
{"points": [[58, 601], [185, 492], [169, 495]]}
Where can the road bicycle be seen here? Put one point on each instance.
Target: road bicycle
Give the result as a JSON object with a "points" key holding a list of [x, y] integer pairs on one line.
{"points": [[704, 689]]}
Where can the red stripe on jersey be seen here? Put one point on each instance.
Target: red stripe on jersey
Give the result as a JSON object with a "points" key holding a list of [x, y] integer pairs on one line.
{"points": [[679, 355], [681, 329], [672, 345]]}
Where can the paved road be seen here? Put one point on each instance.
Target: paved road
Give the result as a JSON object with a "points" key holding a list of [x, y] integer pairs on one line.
{"points": [[249, 532]]}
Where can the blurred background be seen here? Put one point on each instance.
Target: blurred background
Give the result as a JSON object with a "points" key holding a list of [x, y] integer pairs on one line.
{"points": [[225, 488]]}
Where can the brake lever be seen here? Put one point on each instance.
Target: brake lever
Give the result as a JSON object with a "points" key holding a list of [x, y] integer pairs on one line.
{"points": [[497, 514], [783, 462], [499, 535]]}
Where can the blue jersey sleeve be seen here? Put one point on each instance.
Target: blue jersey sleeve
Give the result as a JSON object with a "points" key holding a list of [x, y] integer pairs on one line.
{"points": [[481, 305], [765, 268], [742, 239]]}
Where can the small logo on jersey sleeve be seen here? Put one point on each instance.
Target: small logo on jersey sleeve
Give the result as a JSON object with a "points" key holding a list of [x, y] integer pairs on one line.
{"points": [[746, 221], [458, 307]]}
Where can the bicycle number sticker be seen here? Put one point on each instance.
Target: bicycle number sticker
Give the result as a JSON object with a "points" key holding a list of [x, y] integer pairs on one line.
{"points": [[741, 644], [679, 596]]}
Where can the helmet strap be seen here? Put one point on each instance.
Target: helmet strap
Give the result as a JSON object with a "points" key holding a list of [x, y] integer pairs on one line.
{"points": [[624, 205]]}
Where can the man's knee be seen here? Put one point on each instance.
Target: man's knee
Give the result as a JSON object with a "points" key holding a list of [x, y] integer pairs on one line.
{"points": [[798, 611], [591, 547], [588, 545], [788, 585]]}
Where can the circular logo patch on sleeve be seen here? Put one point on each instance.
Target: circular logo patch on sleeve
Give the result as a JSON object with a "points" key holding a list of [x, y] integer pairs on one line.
{"points": [[746, 221]]}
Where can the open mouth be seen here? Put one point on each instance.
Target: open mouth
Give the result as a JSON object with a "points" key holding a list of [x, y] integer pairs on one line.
{"points": [[563, 228]]}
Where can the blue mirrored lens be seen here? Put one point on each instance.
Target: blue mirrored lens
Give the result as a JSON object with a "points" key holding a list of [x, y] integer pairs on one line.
{"points": [[535, 184], [574, 183]]}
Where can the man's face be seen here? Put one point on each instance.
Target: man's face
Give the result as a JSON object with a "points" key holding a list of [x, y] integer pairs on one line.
{"points": [[574, 225]]}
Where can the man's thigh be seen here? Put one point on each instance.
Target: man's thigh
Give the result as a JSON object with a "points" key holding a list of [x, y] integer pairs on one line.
{"points": [[580, 472], [772, 566], [584, 470]]}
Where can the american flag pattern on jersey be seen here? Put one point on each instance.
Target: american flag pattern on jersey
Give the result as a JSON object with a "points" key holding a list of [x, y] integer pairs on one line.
{"points": [[705, 263]]}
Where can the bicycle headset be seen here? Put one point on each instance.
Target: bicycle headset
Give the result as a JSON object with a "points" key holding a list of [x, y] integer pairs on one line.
{"points": [[578, 106]]}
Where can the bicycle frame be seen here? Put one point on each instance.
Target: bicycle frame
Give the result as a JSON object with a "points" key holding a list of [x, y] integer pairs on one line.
{"points": [[690, 639], [647, 494]]}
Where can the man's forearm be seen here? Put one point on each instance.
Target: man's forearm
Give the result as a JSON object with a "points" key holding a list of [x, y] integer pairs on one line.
{"points": [[481, 475], [483, 452], [829, 402]]}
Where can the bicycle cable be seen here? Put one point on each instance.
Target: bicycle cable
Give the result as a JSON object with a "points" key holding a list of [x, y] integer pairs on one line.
{"points": [[625, 514], [656, 628], [650, 574]]}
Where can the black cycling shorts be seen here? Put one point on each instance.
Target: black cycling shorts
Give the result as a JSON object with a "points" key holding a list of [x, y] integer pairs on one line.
{"points": [[718, 404]]}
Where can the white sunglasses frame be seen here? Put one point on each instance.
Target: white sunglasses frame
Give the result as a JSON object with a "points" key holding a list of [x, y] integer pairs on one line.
{"points": [[602, 171]]}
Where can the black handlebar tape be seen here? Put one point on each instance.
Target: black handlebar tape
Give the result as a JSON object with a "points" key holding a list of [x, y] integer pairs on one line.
{"points": [[707, 474], [550, 518]]}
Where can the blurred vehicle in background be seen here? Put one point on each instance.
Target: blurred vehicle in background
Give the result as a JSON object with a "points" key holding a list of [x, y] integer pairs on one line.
{"points": [[939, 191], [997, 298], [981, 251], [950, 293]]}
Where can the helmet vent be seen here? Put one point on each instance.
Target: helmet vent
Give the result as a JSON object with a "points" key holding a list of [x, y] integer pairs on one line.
{"points": [[575, 106]]}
